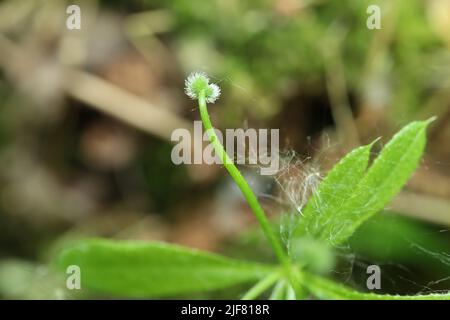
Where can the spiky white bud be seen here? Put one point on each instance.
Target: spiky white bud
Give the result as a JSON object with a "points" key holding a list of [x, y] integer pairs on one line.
{"points": [[197, 82]]}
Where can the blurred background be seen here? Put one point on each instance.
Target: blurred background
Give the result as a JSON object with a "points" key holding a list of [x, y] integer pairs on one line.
{"points": [[86, 117]]}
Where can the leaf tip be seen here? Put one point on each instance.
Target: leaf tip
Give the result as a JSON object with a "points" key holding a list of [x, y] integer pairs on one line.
{"points": [[430, 120], [374, 141]]}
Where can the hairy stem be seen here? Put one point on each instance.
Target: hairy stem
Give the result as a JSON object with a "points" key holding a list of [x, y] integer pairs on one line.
{"points": [[242, 184]]}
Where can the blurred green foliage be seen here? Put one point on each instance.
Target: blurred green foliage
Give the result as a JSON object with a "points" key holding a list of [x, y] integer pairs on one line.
{"points": [[262, 47]]}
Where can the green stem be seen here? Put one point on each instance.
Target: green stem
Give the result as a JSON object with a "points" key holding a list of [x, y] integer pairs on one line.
{"points": [[242, 184], [261, 286]]}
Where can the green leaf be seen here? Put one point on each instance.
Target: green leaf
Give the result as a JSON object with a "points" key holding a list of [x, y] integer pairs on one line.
{"points": [[349, 194], [141, 269], [261, 286], [319, 217], [279, 290], [384, 179], [328, 289]]}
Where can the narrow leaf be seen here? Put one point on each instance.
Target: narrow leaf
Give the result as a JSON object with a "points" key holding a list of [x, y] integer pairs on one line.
{"points": [[279, 290], [261, 286], [329, 290], [384, 179], [319, 216], [140, 269]]}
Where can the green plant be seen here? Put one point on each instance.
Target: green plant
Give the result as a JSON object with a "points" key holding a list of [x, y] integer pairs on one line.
{"points": [[351, 193]]}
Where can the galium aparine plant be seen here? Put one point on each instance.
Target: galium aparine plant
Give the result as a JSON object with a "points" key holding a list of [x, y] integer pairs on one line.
{"points": [[352, 192]]}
